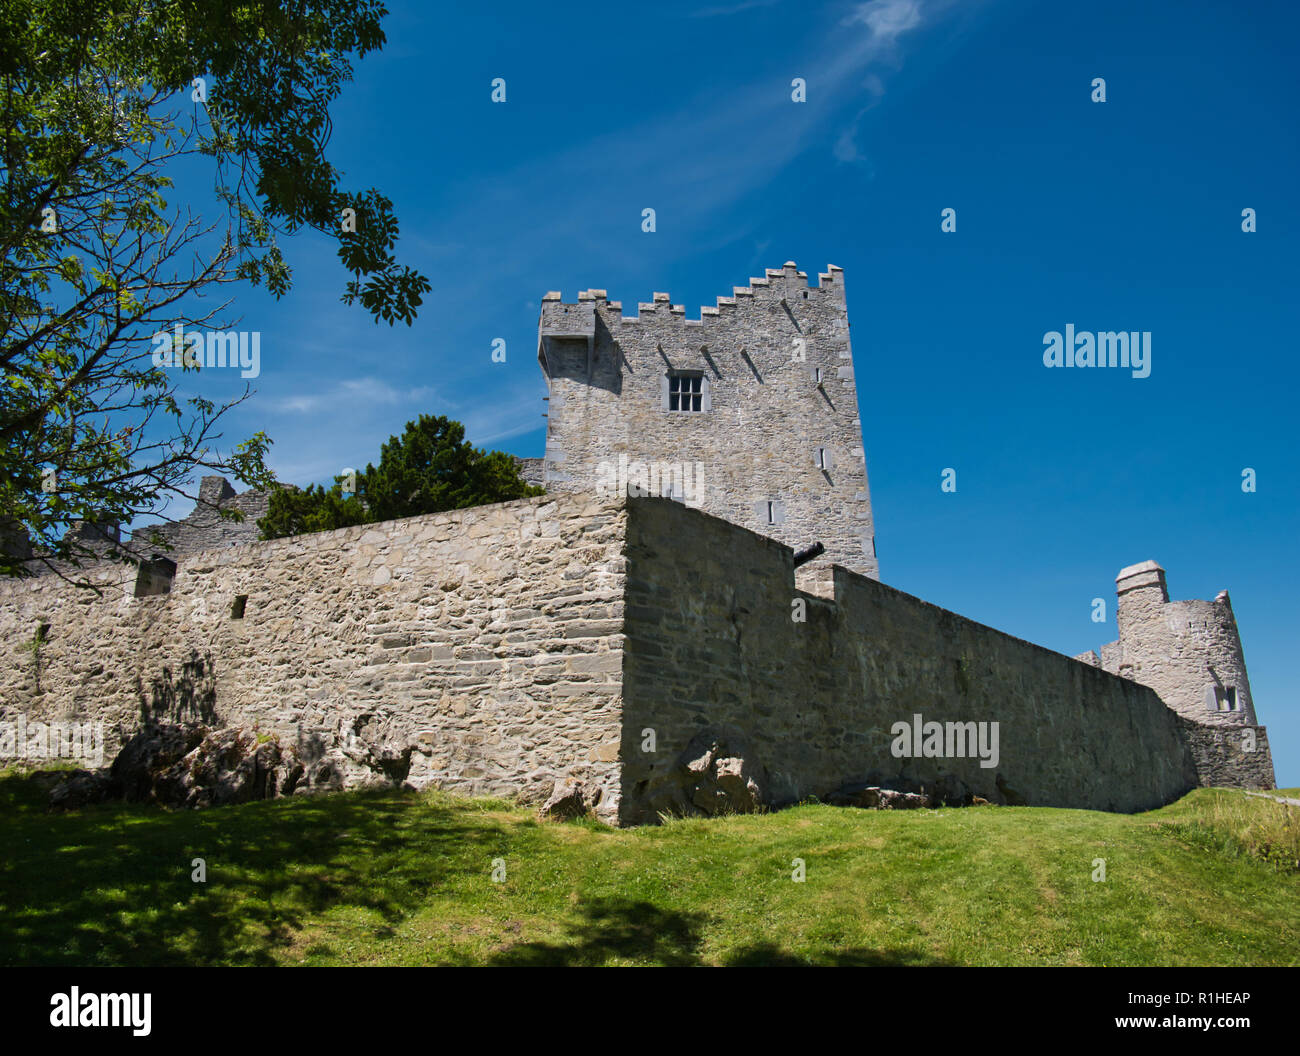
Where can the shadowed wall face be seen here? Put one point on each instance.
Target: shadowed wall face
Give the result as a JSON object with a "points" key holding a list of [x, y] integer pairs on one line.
{"points": [[712, 640]]}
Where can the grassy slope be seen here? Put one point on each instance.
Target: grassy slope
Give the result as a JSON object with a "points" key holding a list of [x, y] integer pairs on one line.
{"points": [[396, 878]]}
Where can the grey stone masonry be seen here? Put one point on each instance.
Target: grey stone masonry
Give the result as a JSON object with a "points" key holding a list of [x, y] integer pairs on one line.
{"points": [[478, 650], [718, 642], [1229, 757], [204, 528], [1187, 651], [749, 412], [530, 470], [593, 639], [1190, 653], [500, 649]]}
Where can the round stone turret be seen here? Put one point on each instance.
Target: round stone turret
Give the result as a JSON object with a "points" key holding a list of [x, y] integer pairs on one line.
{"points": [[1189, 652]]}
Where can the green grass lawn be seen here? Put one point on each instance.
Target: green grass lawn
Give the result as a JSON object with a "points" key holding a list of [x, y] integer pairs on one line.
{"points": [[405, 878]]}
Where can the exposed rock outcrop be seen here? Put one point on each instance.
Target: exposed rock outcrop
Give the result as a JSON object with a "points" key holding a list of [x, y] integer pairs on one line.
{"points": [[946, 790], [568, 800], [872, 797], [717, 773], [83, 787], [228, 766], [189, 766]]}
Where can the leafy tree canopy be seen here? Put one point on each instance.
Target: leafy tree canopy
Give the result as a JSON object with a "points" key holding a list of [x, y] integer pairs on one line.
{"points": [[100, 102], [430, 468]]}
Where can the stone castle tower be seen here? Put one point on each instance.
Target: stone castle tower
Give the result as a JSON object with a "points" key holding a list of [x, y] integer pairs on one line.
{"points": [[1189, 652], [749, 413]]}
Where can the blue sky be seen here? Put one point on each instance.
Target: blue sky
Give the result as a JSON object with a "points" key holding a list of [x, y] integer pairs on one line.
{"points": [[1122, 215]]}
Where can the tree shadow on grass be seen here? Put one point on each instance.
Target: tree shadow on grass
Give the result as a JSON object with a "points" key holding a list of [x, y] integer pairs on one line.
{"points": [[616, 928], [766, 955], [621, 929], [112, 884]]}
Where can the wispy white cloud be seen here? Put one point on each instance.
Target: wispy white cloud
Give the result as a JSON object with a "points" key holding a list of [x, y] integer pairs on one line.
{"points": [[347, 424], [488, 426], [350, 395], [887, 19], [526, 221], [710, 154], [846, 145]]}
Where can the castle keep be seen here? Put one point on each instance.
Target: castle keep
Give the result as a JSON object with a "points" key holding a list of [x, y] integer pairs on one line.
{"points": [[757, 397], [659, 650]]}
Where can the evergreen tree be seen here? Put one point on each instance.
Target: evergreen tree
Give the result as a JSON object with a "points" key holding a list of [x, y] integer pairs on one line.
{"points": [[430, 468]]}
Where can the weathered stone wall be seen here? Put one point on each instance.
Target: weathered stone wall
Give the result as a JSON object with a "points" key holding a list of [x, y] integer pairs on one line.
{"points": [[204, 528], [712, 642], [1228, 757], [1190, 653], [766, 409], [530, 470], [498, 649], [479, 650]]}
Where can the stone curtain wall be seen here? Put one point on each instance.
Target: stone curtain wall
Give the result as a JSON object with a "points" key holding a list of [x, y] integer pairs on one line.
{"points": [[480, 650], [530, 470], [765, 414], [499, 649], [711, 644]]}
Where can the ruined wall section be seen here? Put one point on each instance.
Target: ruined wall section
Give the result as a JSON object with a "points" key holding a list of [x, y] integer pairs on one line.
{"points": [[530, 470], [712, 642], [478, 650], [778, 384], [204, 528]]}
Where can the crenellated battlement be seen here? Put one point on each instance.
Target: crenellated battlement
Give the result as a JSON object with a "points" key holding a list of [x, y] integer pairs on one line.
{"points": [[774, 286]]}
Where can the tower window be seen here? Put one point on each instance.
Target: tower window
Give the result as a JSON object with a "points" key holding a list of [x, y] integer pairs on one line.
{"points": [[237, 608], [770, 511], [686, 392]]}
